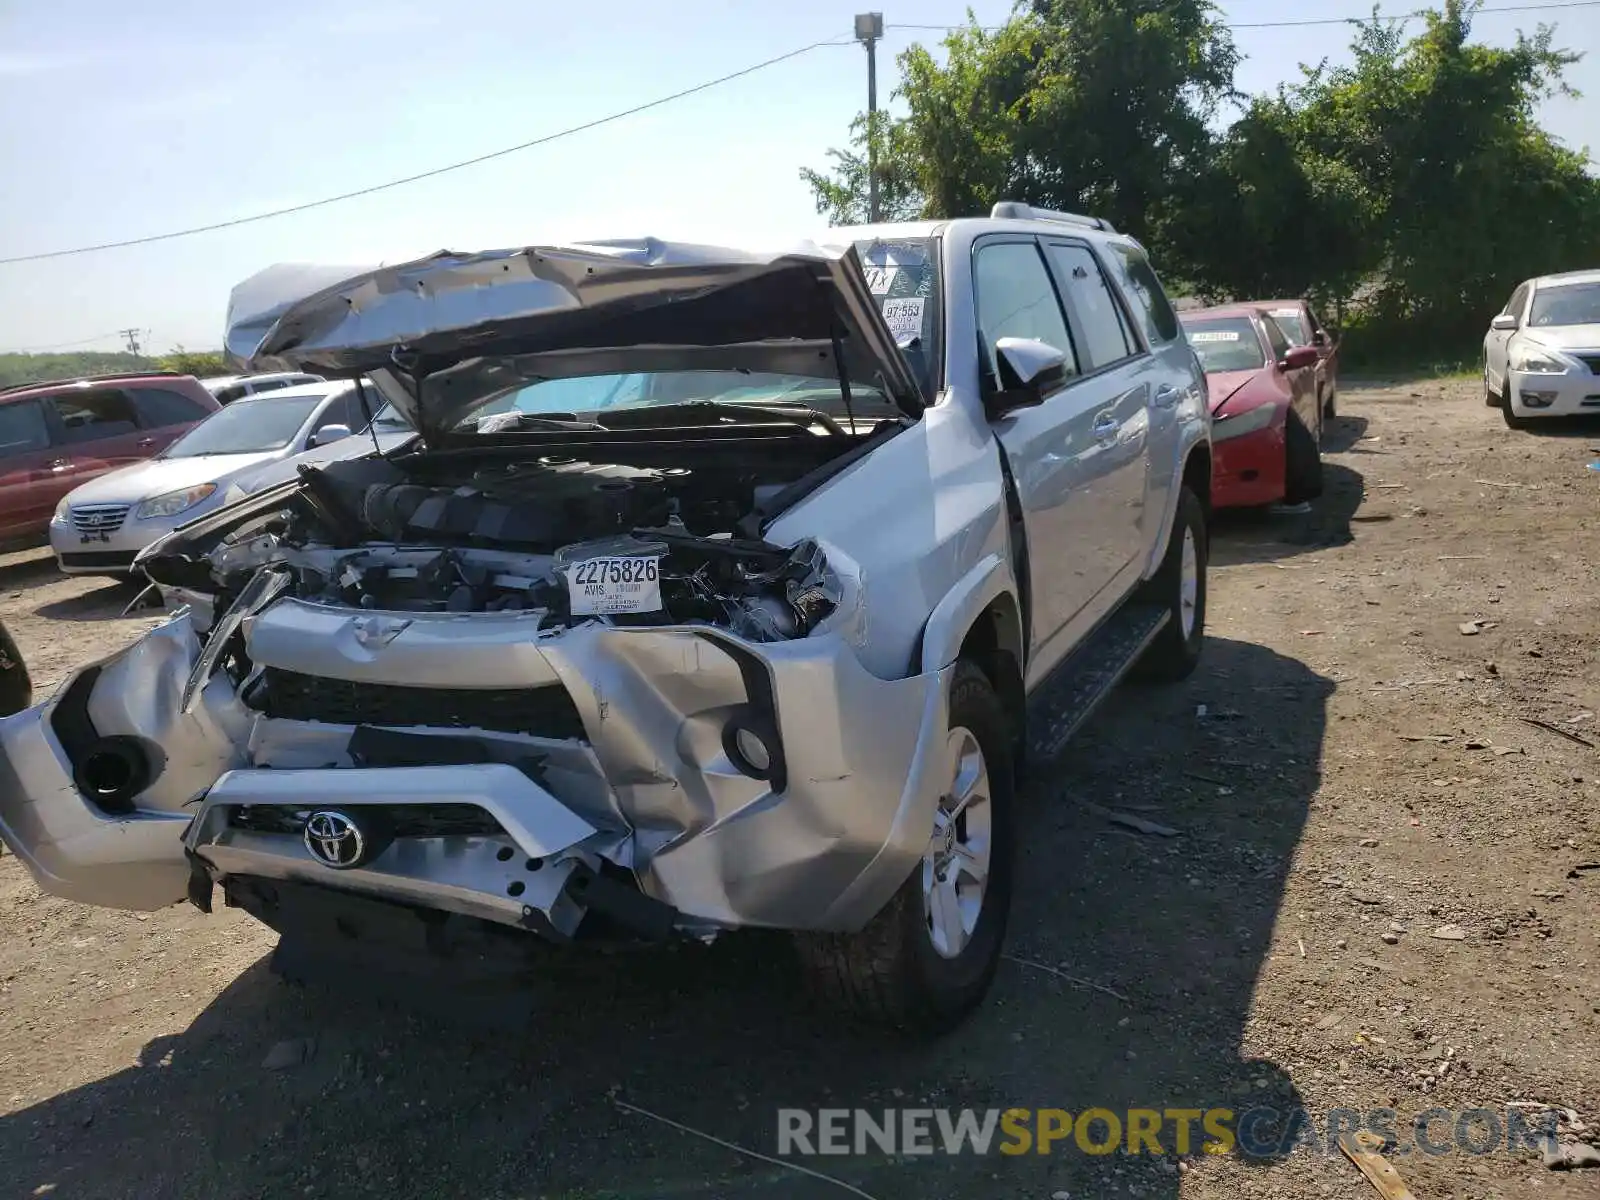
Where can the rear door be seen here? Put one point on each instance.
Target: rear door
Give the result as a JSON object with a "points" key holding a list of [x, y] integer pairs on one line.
{"points": [[29, 466], [1121, 377], [1051, 449], [98, 430]]}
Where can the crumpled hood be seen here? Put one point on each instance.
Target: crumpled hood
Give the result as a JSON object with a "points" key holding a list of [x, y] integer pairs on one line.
{"points": [[1564, 337], [158, 476], [1221, 385], [598, 308]]}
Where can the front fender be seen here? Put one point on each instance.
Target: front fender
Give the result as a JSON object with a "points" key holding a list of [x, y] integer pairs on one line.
{"points": [[990, 578]]}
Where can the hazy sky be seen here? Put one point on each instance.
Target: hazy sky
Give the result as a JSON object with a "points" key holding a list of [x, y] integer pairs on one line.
{"points": [[118, 121]]}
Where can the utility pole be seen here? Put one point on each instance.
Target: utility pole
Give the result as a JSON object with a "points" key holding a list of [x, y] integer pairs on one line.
{"points": [[869, 28], [133, 339]]}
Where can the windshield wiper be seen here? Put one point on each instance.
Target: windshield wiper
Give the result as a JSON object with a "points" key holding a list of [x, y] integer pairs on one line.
{"points": [[515, 420]]}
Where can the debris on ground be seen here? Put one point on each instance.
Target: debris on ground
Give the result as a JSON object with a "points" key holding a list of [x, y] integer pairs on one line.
{"points": [[289, 1053], [1362, 1149], [1570, 1156], [1556, 729], [1130, 821], [1450, 933], [1473, 628]]}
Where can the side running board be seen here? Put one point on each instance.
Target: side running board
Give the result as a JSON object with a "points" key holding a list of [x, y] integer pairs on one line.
{"points": [[1064, 701]]}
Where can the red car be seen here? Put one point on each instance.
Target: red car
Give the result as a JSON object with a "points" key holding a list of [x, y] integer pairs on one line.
{"points": [[54, 436], [1266, 415]]}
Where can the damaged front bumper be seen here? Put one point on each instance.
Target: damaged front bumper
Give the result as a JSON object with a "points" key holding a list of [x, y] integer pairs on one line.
{"points": [[689, 780]]}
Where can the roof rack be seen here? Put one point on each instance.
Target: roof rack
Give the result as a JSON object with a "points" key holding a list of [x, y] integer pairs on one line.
{"points": [[1015, 210], [40, 383]]}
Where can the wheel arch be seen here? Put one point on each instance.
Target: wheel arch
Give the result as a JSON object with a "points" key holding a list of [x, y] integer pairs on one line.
{"points": [[981, 619]]}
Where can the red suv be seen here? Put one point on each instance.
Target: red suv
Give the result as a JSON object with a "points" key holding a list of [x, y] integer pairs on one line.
{"points": [[54, 436]]}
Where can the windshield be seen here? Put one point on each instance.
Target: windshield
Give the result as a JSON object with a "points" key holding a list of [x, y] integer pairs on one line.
{"points": [[593, 396], [1293, 322], [903, 275], [247, 426], [1566, 304], [1226, 344]]}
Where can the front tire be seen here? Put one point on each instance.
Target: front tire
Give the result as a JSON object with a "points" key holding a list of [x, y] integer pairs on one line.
{"points": [[1513, 421], [1302, 462], [927, 959], [1180, 587], [1490, 396]]}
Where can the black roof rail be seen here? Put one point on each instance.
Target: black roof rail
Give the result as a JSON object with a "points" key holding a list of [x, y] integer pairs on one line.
{"points": [[74, 379], [1015, 210]]}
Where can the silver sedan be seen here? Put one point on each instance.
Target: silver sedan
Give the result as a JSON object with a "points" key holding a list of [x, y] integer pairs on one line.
{"points": [[98, 528]]}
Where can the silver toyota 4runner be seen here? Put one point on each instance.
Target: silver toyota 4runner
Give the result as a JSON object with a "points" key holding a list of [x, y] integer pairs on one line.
{"points": [[718, 589]]}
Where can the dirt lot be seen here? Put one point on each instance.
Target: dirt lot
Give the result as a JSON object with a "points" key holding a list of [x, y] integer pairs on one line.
{"points": [[1360, 778]]}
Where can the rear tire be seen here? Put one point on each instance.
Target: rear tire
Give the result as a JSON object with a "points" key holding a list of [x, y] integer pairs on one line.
{"points": [[898, 971], [1302, 462], [1180, 587]]}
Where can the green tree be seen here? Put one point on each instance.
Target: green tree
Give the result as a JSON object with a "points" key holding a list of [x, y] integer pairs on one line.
{"points": [[1097, 105], [199, 363]]}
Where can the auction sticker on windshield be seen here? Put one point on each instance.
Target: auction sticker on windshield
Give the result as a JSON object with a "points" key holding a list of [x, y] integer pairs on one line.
{"points": [[904, 317], [604, 586], [1214, 335]]}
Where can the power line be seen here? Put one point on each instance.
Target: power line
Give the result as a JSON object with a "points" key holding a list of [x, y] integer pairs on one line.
{"points": [[435, 171], [99, 337], [1510, 8]]}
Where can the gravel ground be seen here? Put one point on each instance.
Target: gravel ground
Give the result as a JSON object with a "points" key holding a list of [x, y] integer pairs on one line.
{"points": [[1363, 776]]}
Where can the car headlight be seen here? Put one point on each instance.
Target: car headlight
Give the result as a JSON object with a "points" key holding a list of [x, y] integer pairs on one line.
{"points": [[1536, 360], [1249, 420], [174, 503], [60, 517]]}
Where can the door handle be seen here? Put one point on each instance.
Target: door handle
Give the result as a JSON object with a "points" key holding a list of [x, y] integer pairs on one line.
{"points": [[1106, 426], [60, 464], [1167, 396], [143, 442]]}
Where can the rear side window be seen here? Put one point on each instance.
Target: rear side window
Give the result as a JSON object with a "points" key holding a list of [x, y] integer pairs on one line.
{"points": [[1015, 299], [269, 385], [158, 407], [1150, 304], [95, 413], [22, 428], [228, 395], [1104, 335]]}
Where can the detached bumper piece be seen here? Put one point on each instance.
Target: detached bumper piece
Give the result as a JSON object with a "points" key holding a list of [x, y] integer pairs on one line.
{"points": [[480, 840]]}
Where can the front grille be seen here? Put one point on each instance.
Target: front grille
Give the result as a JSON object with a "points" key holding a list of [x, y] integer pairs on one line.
{"points": [[98, 520], [1592, 361], [399, 820], [541, 711]]}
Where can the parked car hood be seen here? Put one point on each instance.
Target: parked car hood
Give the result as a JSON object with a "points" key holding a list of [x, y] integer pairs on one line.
{"points": [[354, 446], [596, 308], [1564, 337], [158, 476], [1221, 385]]}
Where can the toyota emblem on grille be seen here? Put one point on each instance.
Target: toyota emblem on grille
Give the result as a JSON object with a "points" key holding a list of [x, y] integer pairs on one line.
{"points": [[335, 840]]}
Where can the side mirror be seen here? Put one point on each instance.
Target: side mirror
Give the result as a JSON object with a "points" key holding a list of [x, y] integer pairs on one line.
{"points": [[1300, 356], [1504, 322], [328, 433], [1029, 371]]}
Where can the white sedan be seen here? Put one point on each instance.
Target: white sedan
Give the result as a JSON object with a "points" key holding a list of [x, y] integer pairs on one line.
{"points": [[1541, 357]]}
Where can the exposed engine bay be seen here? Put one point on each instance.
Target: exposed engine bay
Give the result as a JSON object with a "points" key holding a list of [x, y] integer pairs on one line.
{"points": [[566, 537]]}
